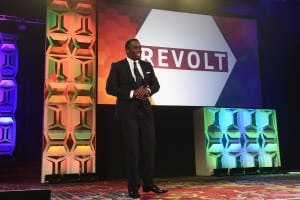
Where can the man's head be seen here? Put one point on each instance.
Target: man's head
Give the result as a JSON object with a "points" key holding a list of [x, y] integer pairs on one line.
{"points": [[133, 49]]}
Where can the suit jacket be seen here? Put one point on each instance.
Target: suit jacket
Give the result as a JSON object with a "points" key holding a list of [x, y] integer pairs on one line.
{"points": [[120, 82]]}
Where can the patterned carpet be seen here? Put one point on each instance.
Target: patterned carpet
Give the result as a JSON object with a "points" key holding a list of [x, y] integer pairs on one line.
{"points": [[254, 187]]}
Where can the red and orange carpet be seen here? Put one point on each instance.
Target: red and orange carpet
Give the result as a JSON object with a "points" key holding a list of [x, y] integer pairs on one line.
{"points": [[250, 187]]}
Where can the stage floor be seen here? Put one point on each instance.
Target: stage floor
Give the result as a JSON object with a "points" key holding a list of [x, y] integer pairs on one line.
{"points": [[250, 187]]}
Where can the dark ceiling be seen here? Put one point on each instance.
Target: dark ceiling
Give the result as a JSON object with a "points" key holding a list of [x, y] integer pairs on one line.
{"points": [[27, 9]]}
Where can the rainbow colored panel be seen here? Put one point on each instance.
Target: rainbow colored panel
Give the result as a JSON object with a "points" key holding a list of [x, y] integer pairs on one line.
{"points": [[70, 85], [8, 92], [235, 138]]}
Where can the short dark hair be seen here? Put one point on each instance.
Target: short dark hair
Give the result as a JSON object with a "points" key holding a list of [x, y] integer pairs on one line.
{"points": [[128, 42]]}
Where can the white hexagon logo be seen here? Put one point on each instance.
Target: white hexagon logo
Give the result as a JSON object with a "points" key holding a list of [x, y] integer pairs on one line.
{"points": [[179, 37]]}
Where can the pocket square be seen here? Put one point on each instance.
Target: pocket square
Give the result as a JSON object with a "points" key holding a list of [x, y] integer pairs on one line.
{"points": [[148, 72]]}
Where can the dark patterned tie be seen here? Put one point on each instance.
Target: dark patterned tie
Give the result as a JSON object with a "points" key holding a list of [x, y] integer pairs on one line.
{"points": [[138, 77]]}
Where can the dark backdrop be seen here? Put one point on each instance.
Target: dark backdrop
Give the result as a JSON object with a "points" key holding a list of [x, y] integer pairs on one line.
{"points": [[279, 45]]}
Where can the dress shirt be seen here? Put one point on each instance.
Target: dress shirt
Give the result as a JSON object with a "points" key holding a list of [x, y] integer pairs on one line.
{"points": [[130, 61]]}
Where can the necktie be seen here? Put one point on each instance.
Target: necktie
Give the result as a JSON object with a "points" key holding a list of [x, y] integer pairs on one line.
{"points": [[138, 77]]}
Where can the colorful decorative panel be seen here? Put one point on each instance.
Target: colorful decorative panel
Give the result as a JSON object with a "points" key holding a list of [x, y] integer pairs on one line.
{"points": [[235, 138], [70, 89], [8, 92]]}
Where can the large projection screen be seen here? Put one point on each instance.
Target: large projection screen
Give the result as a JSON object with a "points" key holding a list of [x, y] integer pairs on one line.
{"points": [[199, 60]]}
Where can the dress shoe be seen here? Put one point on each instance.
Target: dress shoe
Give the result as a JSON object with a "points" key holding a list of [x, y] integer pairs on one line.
{"points": [[134, 194], [154, 189]]}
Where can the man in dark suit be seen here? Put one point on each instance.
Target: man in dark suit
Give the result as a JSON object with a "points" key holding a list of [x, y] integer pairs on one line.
{"points": [[133, 81]]}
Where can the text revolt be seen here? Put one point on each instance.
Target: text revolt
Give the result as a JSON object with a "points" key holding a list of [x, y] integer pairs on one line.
{"points": [[185, 59]]}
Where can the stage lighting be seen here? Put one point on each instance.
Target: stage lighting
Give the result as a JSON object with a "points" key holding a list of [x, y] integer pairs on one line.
{"points": [[22, 27]]}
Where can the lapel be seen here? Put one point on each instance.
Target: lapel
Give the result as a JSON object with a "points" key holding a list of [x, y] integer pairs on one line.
{"points": [[143, 68], [127, 70]]}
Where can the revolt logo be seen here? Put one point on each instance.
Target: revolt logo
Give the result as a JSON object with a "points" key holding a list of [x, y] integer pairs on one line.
{"points": [[173, 58], [190, 55]]}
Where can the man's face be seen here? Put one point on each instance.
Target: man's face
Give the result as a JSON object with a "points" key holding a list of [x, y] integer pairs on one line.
{"points": [[134, 51]]}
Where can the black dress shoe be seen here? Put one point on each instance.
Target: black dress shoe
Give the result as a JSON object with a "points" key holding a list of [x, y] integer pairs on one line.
{"points": [[154, 189], [134, 194]]}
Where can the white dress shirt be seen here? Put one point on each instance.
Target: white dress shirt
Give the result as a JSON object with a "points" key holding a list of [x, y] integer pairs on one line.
{"points": [[130, 61]]}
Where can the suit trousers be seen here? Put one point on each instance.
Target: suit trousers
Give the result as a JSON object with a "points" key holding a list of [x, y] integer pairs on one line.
{"points": [[139, 148]]}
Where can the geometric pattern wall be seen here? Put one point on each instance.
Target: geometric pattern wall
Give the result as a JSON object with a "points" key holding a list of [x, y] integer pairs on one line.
{"points": [[8, 92], [235, 138], [69, 130]]}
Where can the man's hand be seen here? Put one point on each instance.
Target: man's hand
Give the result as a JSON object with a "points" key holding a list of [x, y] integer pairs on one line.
{"points": [[141, 93]]}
